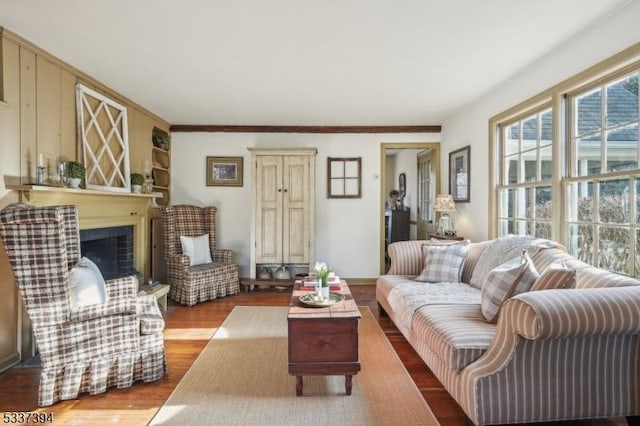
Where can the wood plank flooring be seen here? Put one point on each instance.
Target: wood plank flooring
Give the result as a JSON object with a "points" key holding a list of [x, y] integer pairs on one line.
{"points": [[187, 332]]}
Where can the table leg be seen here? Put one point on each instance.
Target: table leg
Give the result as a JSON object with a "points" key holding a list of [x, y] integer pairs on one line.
{"points": [[298, 385], [348, 380]]}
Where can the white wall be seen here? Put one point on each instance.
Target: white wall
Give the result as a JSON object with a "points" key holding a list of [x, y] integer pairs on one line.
{"points": [[470, 125], [347, 230]]}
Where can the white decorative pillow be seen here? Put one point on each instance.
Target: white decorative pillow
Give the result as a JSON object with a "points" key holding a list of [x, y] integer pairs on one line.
{"points": [[505, 281], [197, 248], [557, 276], [86, 285], [443, 263], [498, 252]]}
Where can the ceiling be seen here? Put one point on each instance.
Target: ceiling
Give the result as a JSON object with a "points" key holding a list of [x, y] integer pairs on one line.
{"points": [[293, 62]]}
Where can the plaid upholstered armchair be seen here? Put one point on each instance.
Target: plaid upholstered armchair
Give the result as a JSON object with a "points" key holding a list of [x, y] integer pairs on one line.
{"points": [[83, 348], [205, 272]]}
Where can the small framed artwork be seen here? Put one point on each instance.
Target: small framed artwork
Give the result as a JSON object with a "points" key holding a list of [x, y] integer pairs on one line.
{"points": [[224, 171], [344, 177], [459, 174], [402, 184]]}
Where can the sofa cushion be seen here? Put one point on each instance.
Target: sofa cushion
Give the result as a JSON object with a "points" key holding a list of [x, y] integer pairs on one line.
{"points": [[442, 262], [509, 279], [556, 276], [457, 334], [86, 285], [500, 251], [197, 249], [407, 297]]}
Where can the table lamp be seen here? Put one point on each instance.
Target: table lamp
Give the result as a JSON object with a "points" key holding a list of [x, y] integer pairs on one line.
{"points": [[444, 204]]}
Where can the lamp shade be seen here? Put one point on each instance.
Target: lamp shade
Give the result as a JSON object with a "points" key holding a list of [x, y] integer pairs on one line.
{"points": [[444, 203]]}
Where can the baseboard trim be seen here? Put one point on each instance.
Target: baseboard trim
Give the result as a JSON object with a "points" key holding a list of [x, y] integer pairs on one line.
{"points": [[9, 361]]}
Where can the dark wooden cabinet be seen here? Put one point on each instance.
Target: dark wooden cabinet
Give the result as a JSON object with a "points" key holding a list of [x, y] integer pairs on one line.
{"points": [[397, 225]]}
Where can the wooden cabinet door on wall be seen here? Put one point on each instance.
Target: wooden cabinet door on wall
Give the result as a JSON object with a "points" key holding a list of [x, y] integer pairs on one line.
{"points": [[283, 207], [296, 193], [268, 209]]}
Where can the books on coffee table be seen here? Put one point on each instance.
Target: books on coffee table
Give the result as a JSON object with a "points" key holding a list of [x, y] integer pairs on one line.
{"points": [[309, 283]]}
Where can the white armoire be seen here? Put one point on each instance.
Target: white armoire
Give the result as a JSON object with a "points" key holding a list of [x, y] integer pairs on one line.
{"points": [[283, 209]]}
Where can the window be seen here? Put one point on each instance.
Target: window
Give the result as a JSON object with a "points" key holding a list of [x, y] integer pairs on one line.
{"points": [[525, 191], [587, 195], [603, 217]]}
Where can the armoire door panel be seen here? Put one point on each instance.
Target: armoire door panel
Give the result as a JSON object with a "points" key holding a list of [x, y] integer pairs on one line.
{"points": [[297, 239], [270, 249], [269, 216]]}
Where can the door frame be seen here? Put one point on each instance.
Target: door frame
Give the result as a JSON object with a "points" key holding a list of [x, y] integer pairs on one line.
{"points": [[435, 146]]}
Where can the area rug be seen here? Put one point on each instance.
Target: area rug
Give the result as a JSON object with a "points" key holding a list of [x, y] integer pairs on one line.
{"points": [[241, 378]]}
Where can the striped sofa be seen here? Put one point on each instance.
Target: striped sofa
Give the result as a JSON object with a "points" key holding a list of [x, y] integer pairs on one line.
{"points": [[552, 355]]}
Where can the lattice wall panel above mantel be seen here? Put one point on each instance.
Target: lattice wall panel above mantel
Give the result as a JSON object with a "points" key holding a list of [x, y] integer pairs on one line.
{"points": [[102, 126]]}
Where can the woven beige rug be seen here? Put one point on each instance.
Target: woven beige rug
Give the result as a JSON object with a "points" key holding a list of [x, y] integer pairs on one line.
{"points": [[241, 378]]}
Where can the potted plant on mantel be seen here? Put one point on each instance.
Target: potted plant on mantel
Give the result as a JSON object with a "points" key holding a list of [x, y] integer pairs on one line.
{"points": [[75, 173], [137, 179]]}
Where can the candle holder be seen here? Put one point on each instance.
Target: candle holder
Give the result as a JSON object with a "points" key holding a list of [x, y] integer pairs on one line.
{"points": [[40, 173]]}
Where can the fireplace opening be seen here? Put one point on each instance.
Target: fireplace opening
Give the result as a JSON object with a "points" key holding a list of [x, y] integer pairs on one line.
{"points": [[111, 249]]}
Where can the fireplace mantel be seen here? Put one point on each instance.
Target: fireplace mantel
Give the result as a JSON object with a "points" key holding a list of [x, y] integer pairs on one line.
{"points": [[100, 209]]}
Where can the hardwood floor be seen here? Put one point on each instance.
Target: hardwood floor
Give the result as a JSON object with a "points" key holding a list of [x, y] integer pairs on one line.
{"points": [[187, 332]]}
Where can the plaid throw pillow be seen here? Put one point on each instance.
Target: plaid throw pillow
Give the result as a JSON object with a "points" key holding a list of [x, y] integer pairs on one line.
{"points": [[513, 277], [557, 276], [442, 263]]}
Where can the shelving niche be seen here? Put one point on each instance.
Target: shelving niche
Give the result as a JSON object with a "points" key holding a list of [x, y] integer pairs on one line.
{"points": [[161, 162]]}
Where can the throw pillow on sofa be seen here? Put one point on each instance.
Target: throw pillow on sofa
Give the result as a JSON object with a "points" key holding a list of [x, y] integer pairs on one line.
{"points": [[197, 249], [498, 252], [443, 262], [557, 276], [505, 281], [86, 285]]}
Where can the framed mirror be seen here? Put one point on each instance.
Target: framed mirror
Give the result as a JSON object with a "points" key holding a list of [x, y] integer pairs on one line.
{"points": [[402, 184]]}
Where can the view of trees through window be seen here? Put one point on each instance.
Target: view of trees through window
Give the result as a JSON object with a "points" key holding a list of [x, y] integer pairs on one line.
{"points": [[600, 203], [602, 191], [525, 193]]}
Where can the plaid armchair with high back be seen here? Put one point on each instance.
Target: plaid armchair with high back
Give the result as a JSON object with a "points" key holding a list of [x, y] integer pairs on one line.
{"points": [[88, 348], [197, 283]]}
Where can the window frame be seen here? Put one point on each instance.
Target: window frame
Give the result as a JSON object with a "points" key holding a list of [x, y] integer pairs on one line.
{"points": [[563, 152]]}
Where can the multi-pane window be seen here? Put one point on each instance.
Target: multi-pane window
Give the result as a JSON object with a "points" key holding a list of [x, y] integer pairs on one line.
{"points": [[602, 216], [524, 193]]}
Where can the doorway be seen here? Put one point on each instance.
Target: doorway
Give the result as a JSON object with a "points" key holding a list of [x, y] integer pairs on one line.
{"points": [[415, 167]]}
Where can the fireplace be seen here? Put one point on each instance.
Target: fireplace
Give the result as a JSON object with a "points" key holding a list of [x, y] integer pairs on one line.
{"points": [[111, 249]]}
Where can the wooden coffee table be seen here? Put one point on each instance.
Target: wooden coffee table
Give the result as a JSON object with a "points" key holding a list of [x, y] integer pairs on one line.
{"points": [[323, 341]]}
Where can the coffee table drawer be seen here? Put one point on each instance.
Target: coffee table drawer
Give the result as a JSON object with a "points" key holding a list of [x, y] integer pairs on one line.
{"points": [[323, 340]]}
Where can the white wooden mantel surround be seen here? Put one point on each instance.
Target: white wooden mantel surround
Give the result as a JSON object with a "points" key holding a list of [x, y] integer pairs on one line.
{"points": [[282, 207], [100, 209]]}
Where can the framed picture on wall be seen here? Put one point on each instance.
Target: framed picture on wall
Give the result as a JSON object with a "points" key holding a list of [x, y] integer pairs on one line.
{"points": [[459, 174], [224, 171]]}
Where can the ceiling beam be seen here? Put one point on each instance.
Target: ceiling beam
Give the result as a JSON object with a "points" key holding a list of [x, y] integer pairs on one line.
{"points": [[212, 128]]}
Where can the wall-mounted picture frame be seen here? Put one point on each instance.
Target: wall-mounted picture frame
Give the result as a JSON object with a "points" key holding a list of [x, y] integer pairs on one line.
{"points": [[459, 174], [402, 184], [344, 177], [224, 171]]}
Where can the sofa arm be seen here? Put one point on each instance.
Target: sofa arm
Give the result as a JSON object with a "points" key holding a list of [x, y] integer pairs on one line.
{"points": [[561, 314], [406, 257], [178, 262], [122, 287], [121, 299], [222, 256]]}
